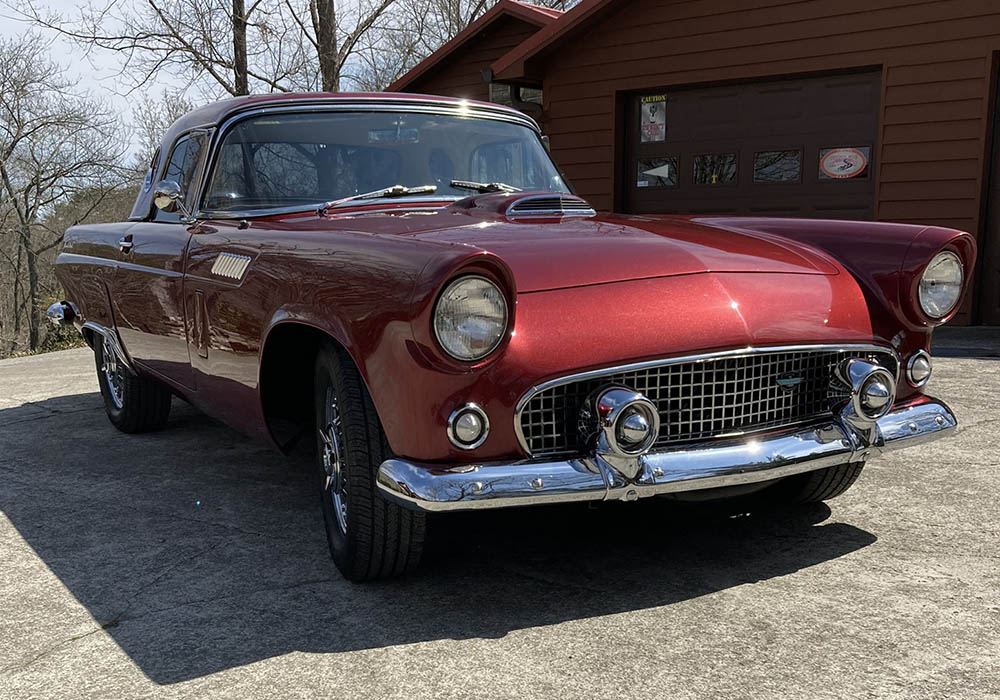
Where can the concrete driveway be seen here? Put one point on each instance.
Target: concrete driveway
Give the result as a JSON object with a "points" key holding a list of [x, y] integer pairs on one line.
{"points": [[192, 563]]}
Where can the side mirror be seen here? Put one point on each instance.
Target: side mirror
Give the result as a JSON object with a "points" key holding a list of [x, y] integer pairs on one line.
{"points": [[169, 197]]}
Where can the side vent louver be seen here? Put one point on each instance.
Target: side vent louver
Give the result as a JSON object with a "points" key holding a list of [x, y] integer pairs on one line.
{"points": [[550, 205], [231, 265]]}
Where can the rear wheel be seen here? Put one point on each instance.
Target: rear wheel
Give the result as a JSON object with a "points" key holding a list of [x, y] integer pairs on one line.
{"points": [[134, 404], [819, 485], [369, 537]]}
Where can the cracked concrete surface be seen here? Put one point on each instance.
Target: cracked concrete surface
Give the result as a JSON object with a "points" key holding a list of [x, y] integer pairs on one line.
{"points": [[191, 563]]}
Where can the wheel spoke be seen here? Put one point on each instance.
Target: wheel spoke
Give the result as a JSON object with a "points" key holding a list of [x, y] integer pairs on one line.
{"points": [[331, 447], [112, 373], [324, 435]]}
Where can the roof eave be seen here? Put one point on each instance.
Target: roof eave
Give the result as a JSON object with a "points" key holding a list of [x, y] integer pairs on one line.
{"points": [[514, 64], [540, 17]]}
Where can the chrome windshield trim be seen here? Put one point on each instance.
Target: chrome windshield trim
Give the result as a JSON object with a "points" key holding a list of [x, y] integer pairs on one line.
{"points": [[384, 103], [332, 104], [700, 357]]}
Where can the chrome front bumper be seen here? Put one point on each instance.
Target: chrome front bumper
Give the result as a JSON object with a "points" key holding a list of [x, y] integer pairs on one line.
{"points": [[711, 465]]}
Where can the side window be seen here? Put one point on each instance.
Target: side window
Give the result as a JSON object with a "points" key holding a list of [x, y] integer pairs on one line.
{"points": [[147, 180], [181, 168], [143, 201]]}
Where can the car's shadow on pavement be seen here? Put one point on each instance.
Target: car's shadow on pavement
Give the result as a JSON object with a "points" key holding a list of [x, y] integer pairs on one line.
{"points": [[198, 551]]}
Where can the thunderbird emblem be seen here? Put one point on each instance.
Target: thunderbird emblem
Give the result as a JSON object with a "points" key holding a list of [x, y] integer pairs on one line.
{"points": [[788, 382]]}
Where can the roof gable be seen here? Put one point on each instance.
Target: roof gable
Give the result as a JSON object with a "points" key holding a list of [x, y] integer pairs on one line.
{"points": [[533, 14], [511, 65]]}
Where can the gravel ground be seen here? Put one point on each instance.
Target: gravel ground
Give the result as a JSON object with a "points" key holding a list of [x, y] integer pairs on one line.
{"points": [[191, 563]]}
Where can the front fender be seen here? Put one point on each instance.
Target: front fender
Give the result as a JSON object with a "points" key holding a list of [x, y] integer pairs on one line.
{"points": [[886, 259]]}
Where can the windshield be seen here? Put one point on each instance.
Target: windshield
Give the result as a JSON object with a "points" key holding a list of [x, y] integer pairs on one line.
{"points": [[287, 160]]}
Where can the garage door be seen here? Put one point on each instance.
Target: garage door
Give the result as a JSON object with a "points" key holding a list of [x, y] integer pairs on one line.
{"points": [[790, 147]]}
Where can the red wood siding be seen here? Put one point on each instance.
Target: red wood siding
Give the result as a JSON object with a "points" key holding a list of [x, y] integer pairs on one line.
{"points": [[935, 58], [461, 74]]}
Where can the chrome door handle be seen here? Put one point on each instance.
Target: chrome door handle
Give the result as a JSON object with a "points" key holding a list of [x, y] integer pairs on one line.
{"points": [[125, 244]]}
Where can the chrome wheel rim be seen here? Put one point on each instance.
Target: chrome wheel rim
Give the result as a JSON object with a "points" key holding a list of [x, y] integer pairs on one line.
{"points": [[331, 440], [112, 371]]}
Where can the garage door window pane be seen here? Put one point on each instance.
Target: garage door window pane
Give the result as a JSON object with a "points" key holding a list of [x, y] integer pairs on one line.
{"points": [[777, 166], [657, 172], [715, 169]]}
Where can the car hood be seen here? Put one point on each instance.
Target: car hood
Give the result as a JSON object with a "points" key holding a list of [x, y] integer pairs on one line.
{"points": [[557, 252]]}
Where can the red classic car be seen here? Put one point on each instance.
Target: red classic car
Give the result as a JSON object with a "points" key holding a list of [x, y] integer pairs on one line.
{"points": [[410, 283]]}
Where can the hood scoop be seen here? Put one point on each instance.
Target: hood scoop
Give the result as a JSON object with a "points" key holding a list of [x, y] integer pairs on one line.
{"points": [[549, 205]]}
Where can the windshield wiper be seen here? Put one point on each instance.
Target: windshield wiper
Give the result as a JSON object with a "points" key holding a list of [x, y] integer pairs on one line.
{"points": [[385, 192], [484, 187]]}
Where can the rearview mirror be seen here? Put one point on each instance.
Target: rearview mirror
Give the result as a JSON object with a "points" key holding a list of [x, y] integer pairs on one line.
{"points": [[169, 197]]}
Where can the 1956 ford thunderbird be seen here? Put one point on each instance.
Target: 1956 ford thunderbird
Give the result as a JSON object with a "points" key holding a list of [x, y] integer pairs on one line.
{"points": [[409, 283]]}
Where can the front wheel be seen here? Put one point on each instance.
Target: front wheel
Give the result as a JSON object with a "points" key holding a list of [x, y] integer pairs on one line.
{"points": [[369, 537], [134, 404]]}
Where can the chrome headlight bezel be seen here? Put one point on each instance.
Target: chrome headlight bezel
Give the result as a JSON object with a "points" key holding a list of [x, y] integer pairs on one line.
{"points": [[934, 309], [502, 320]]}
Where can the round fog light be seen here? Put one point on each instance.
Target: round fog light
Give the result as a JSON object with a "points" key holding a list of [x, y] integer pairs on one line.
{"points": [[633, 429], [918, 370], [873, 390], [636, 427], [875, 397], [468, 427]]}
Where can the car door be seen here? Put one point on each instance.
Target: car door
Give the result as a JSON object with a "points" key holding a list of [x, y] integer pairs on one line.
{"points": [[148, 287]]}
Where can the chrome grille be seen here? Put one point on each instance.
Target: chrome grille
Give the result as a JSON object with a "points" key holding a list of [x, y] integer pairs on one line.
{"points": [[708, 397]]}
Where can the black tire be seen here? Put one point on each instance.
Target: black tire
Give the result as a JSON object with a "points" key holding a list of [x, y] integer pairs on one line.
{"points": [[381, 539], [139, 404], [819, 485]]}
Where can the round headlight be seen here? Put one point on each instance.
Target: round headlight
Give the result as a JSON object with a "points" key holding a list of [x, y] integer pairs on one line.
{"points": [[470, 318], [941, 284]]}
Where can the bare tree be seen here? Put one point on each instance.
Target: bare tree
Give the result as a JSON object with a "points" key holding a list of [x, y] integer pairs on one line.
{"points": [[233, 47], [54, 144], [151, 117], [236, 47]]}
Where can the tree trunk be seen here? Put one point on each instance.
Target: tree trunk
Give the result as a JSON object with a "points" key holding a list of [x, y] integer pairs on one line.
{"points": [[34, 313], [15, 307], [241, 81], [17, 294], [324, 18]]}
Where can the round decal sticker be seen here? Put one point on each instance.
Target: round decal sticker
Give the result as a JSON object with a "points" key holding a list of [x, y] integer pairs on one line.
{"points": [[842, 163]]}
